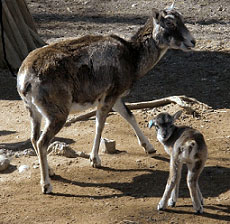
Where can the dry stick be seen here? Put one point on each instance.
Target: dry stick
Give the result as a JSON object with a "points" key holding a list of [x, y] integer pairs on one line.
{"points": [[180, 100], [14, 35], [81, 117]]}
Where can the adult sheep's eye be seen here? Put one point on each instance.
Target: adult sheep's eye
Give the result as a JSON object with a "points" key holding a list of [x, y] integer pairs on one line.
{"points": [[169, 23]]}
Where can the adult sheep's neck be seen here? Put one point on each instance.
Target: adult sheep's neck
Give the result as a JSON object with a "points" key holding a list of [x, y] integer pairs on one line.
{"points": [[148, 50]]}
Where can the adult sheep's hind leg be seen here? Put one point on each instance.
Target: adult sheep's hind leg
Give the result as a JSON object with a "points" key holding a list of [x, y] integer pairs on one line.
{"points": [[35, 121], [52, 127], [36, 117]]}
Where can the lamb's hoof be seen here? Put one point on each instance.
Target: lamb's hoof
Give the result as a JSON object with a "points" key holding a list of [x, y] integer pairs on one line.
{"points": [[95, 162], [151, 151], [47, 189], [160, 207], [199, 211], [202, 202], [171, 203]]}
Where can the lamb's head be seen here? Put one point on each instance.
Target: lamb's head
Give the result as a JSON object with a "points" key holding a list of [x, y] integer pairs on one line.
{"points": [[170, 31], [164, 124]]}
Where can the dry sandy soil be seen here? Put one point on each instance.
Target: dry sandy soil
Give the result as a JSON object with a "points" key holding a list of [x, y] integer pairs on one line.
{"points": [[128, 187]]}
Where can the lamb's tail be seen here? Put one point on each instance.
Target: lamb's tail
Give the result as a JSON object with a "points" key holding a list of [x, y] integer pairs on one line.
{"points": [[190, 145]]}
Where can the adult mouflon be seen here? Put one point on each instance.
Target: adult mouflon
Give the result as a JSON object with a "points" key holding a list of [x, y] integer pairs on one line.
{"points": [[90, 71]]}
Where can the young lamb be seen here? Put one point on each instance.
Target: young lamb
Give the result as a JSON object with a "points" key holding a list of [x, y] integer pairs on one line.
{"points": [[93, 71], [184, 145]]}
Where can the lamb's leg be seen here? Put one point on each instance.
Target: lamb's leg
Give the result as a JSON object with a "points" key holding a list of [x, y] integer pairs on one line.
{"points": [[101, 115], [174, 175], [175, 192], [194, 171], [121, 108], [200, 194]]}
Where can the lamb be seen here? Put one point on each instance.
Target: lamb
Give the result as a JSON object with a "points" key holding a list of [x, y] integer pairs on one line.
{"points": [[90, 71], [184, 145]]}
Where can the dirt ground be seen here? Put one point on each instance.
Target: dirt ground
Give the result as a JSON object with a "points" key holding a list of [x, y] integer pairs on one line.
{"points": [[129, 185]]}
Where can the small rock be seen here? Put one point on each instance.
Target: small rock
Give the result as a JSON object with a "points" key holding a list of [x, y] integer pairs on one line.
{"points": [[23, 168], [17, 155], [2, 151], [61, 149], [29, 152], [35, 166], [108, 146], [4, 162], [220, 8]]}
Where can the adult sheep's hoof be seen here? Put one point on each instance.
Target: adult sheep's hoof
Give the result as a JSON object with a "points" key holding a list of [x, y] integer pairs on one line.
{"points": [[171, 203], [46, 187], [95, 161]]}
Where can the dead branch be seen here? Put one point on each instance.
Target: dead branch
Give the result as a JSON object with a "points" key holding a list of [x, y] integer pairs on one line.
{"points": [[81, 117], [182, 101]]}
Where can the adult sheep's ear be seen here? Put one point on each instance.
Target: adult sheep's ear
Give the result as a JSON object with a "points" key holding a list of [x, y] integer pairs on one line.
{"points": [[171, 7], [151, 123], [177, 115], [156, 14]]}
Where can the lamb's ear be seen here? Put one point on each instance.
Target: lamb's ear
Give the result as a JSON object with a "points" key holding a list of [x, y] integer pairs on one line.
{"points": [[156, 14], [177, 115], [151, 123]]}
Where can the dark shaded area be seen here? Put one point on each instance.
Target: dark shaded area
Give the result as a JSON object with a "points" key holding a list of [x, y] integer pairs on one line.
{"points": [[95, 18], [131, 19], [10, 169], [203, 75]]}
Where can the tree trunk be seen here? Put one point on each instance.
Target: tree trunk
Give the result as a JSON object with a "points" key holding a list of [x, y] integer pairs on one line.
{"points": [[20, 35]]}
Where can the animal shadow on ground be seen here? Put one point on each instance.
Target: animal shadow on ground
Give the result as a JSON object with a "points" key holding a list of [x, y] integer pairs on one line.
{"points": [[152, 184], [20, 146], [5, 132], [218, 207]]}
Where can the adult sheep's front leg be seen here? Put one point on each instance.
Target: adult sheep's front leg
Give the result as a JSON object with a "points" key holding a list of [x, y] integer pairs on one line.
{"points": [[101, 115], [124, 111]]}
